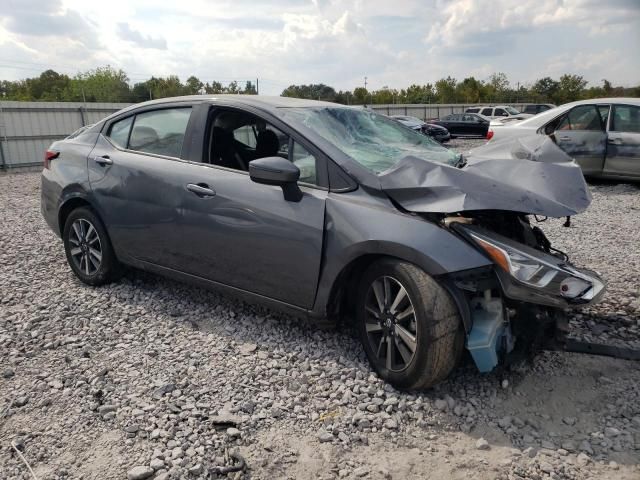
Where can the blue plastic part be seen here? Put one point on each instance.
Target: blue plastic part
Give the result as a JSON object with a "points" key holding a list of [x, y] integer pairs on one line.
{"points": [[482, 341]]}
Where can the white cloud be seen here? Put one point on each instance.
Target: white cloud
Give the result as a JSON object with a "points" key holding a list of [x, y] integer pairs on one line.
{"points": [[336, 42]]}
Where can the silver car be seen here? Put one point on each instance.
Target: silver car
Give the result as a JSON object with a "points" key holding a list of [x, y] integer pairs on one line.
{"points": [[602, 135]]}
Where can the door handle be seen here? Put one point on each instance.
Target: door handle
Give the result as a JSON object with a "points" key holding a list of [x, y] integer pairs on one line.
{"points": [[201, 189], [103, 160], [614, 141], [564, 138]]}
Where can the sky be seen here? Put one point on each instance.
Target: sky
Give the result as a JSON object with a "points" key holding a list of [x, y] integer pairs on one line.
{"points": [[393, 43]]}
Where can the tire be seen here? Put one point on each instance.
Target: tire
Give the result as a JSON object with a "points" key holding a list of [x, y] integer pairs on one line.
{"points": [[88, 248], [435, 325]]}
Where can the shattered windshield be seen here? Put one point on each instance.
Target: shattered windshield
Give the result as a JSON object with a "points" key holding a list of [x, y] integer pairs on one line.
{"points": [[374, 141]]}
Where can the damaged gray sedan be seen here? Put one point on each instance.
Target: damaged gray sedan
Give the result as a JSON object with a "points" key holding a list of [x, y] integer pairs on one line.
{"points": [[328, 212]]}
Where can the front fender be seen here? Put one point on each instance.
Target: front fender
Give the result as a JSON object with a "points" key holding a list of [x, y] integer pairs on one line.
{"points": [[359, 224]]}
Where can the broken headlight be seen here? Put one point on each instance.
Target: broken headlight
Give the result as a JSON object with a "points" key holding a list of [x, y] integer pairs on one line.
{"points": [[531, 275]]}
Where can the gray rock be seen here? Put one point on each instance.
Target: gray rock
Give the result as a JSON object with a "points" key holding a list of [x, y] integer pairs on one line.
{"points": [[583, 459], [20, 401], [324, 436], [482, 444], [441, 404], [361, 472], [140, 473], [157, 464], [546, 467], [233, 432], [7, 373], [611, 432]]}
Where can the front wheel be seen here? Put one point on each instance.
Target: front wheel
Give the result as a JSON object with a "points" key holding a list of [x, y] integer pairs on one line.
{"points": [[409, 325], [88, 248]]}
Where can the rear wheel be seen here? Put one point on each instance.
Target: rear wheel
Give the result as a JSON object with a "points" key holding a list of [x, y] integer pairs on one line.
{"points": [[409, 325], [88, 248]]}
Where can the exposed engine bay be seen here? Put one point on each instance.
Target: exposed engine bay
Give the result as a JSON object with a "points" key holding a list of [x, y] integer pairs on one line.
{"points": [[516, 306]]}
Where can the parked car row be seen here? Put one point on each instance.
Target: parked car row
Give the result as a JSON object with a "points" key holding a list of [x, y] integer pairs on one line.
{"points": [[499, 112], [465, 124], [437, 132]]}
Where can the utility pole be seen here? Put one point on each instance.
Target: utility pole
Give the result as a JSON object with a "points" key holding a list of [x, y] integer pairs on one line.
{"points": [[257, 86], [365, 91]]}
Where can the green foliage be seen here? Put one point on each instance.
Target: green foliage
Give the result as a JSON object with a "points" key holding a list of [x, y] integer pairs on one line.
{"points": [[107, 84]]}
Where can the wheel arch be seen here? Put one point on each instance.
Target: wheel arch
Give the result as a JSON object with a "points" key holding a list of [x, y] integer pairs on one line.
{"points": [[342, 295], [68, 206]]}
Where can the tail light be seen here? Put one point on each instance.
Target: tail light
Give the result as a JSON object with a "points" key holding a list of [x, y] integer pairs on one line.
{"points": [[489, 134], [48, 156]]}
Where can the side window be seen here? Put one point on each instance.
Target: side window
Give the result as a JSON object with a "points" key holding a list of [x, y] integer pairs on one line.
{"points": [[499, 112], [245, 135], [582, 117], [487, 111], [626, 118], [119, 132], [305, 162], [160, 131], [604, 114], [472, 110], [237, 138]]}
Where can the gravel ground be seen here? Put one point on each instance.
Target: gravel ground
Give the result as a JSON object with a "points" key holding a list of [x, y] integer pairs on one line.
{"points": [[149, 378]]}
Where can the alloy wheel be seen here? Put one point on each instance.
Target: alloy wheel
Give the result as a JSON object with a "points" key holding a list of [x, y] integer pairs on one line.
{"points": [[390, 322], [85, 246]]}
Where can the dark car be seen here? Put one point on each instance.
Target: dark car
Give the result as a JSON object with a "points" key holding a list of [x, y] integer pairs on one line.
{"points": [[465, 124], [536, 108], [434, 131], [327, 212]]}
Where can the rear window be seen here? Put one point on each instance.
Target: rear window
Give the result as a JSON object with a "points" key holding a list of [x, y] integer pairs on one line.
{"points": [[160, 131], [487, 111], [472, 110]]}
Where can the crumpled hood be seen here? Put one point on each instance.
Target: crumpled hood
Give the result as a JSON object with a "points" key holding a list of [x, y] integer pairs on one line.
{"points": [[532, 176]]}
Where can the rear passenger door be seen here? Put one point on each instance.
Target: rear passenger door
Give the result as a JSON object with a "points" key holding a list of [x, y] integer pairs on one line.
{"points": [[581, 134], [623, 149], [137, 183]]}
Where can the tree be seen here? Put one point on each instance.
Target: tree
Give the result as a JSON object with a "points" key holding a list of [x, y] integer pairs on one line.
{"points": [[232, 88], [360, 96], [250, 88], [470, 90], [103, 84], [546, 88], [569, 88], [193, 86], [313, 91], [446, 90], [497, 87], [213, 88]]}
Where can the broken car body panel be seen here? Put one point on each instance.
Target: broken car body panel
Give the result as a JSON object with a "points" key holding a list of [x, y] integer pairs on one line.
{"points": [[544, 182]]}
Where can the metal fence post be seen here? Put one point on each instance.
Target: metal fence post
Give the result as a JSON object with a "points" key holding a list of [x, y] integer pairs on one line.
{"points": [[82, 119], [3, 162]]}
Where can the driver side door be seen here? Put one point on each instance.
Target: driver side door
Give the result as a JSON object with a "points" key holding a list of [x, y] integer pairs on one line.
{"points": [[246, 235]]}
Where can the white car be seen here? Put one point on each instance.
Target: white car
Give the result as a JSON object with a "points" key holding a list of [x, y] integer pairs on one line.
{"points": [[601, 134], [500, 112]]}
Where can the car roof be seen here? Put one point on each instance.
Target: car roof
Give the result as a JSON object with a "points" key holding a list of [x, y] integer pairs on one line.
{"points": [[264, 102]]}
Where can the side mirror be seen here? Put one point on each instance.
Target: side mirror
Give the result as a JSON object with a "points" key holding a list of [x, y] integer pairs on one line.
{"points": [[277, 171]]}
